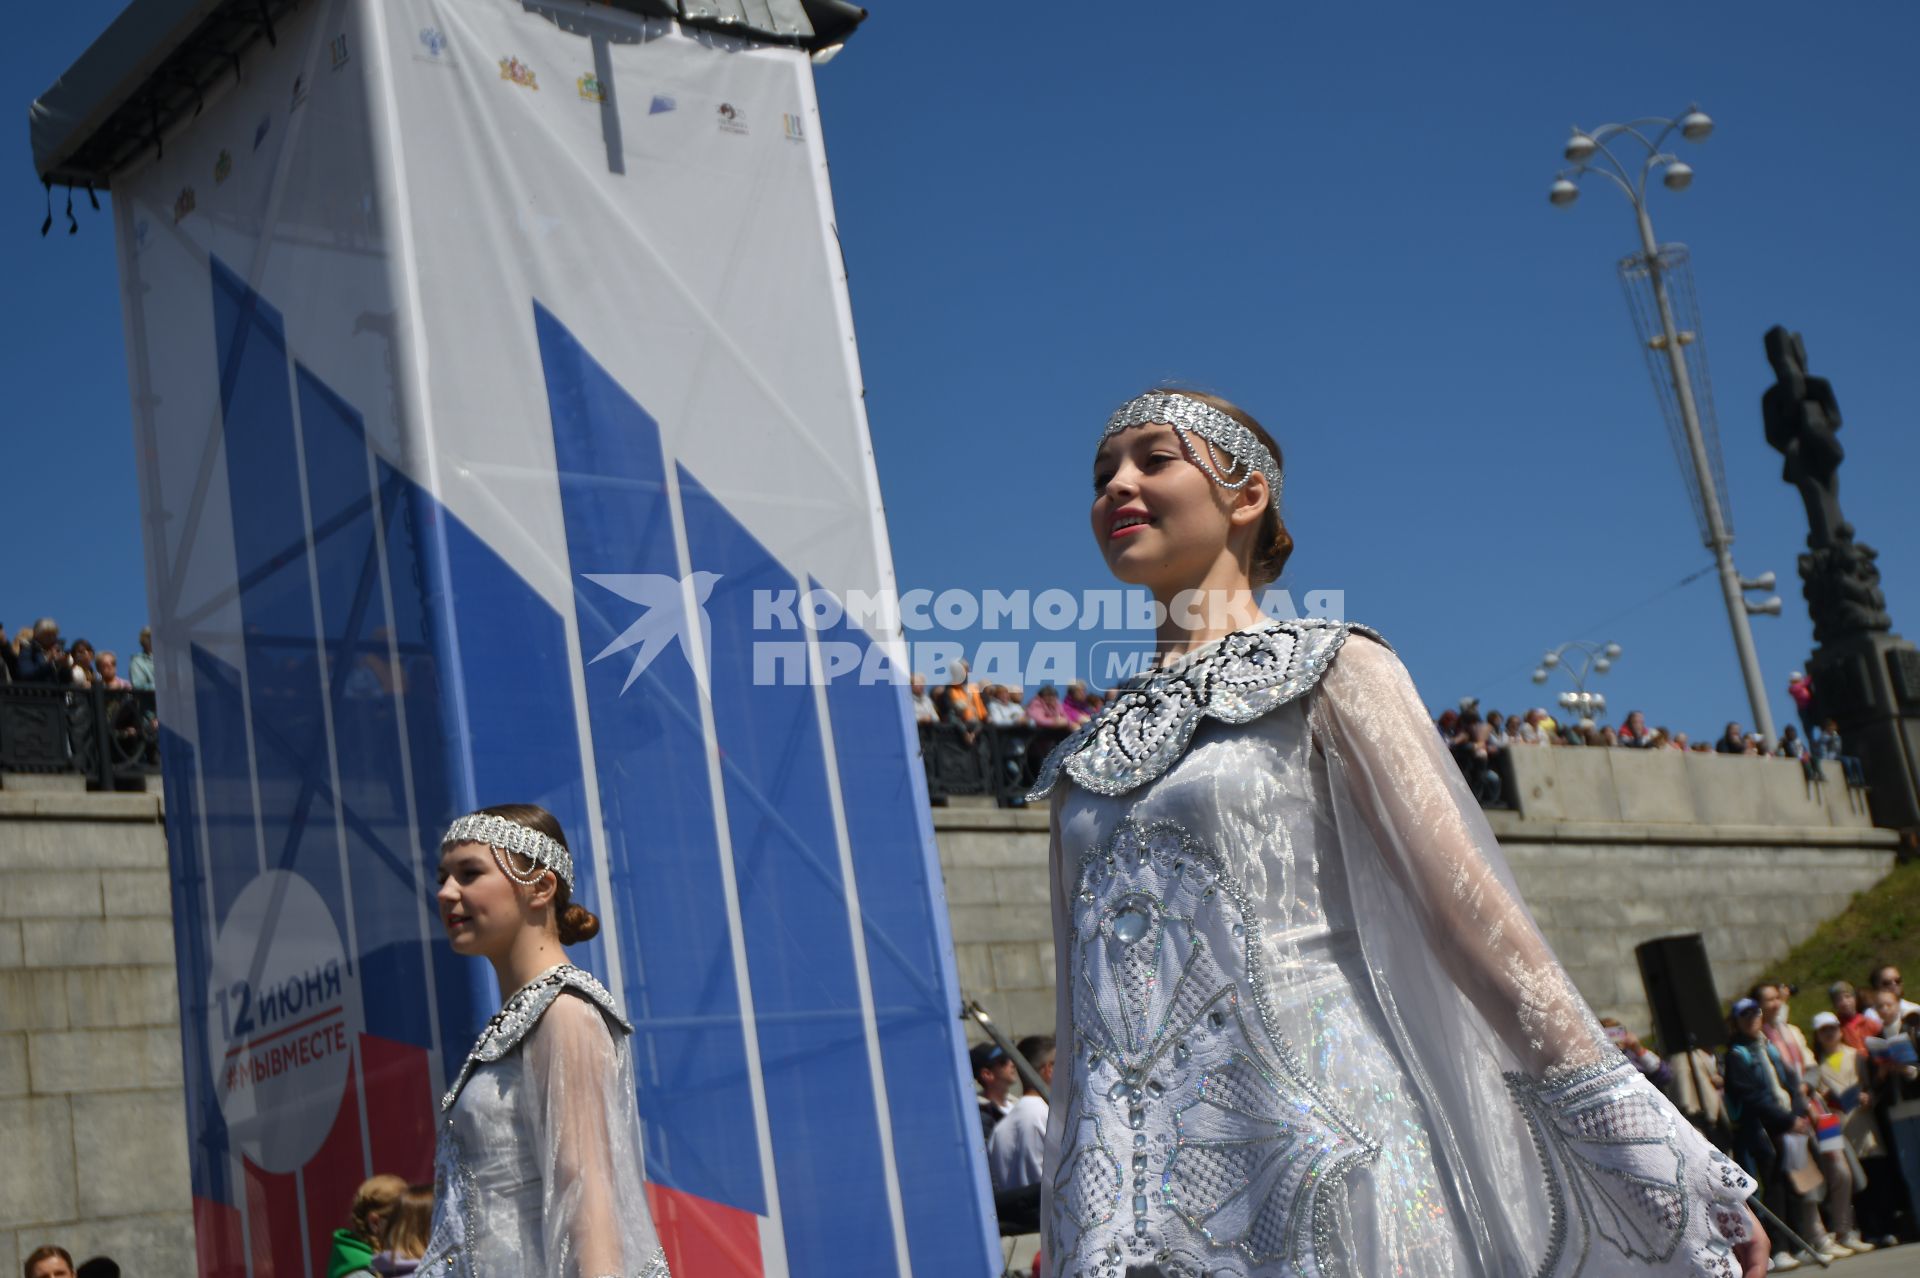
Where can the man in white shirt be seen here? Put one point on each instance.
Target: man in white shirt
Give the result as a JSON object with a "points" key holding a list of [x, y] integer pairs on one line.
{"points": [[1019, 1141], [1886, 978]]}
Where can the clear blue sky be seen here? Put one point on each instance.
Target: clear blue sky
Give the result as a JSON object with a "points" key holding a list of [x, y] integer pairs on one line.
{"points": [[1335, 215]]}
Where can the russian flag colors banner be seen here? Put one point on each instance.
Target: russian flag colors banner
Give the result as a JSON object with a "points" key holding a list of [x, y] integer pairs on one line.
{"points": [[492, 368]]}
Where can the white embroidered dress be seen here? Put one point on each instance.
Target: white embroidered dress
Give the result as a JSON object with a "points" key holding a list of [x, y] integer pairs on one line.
{"points": [[1306, 1026], [538, 1168]]}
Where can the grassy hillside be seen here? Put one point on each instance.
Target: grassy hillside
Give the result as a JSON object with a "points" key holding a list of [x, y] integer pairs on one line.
{"points": [[1881, 926]]}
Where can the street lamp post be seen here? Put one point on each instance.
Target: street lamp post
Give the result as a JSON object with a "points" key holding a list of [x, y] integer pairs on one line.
{"points": [[1588, 152], [1579, 660]]}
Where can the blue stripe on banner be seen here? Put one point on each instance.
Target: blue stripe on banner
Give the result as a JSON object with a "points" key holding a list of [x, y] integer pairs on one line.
{"points": [[936, 1127], [364, 684], [652, 765], [291, 762], [207, 1148], [220, 728], [813, 1054], [515, 682]]}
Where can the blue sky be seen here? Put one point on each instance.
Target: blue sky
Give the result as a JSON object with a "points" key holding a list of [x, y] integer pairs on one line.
{"points": [[1334, 215]]}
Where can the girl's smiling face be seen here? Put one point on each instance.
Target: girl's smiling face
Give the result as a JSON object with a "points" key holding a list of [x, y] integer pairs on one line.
{"points": [[1159, 519], [480, 907]]}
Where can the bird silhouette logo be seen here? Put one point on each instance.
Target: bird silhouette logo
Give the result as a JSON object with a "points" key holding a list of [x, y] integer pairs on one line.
{"points": [[671, 604]]}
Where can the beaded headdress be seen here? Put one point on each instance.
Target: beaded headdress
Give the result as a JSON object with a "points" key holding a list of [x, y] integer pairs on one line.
{"points": [[1191, 417], [503, 835]]}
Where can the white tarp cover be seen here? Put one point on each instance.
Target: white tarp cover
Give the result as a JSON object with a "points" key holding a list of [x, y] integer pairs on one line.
{"points": [[494, 382]]}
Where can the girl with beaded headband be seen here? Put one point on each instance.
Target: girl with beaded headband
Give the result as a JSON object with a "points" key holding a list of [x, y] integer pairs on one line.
{"points": [[538, 1168], [1305, 1024]]}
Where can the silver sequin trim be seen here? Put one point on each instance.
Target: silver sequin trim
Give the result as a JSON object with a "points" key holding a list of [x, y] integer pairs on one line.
{"points": [[1192, 417], [656, 1267], [1210, 1099], [1149, 722], [510, 836], [520, 1013]]}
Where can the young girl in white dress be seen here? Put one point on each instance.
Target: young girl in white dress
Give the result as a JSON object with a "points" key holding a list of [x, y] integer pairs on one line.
{"points": [[1305, 1024], [538, 1168]]}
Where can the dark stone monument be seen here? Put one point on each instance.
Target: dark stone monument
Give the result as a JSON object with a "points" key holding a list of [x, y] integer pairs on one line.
{"points": [[1865, 677]]}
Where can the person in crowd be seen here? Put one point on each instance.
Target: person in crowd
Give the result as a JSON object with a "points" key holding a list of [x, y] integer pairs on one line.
{"points": [[1004, 708], [98, 1267], [44, 660], [1794, 1051], [1680, 741], [1633, 1049], [1498, 734], [1764, 1103], [1096, 702], [81, 672], [107, 667], [1017, 1149], [1046, 709], [48, 1262], [1603, 736], [1548, 725], [1659, 739], [1076, 703], [1791, 746], [961, 705], [1276, 795], [1476, 755], [924, 711], [1633, 734], [1828, 745], [994, 1071], [355, 1242], [1756, 745], [1839, 1083], [1800, 689], [1701, 747], [1699, 1092], [1856, 1025], [1732, 741], [1525, 730], [1886, 980], [1448, 726], [543, 1109], [404, 1240], [140, 668]]}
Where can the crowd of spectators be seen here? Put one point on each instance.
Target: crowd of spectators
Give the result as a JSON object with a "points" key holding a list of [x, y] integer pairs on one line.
{"points": [[1477, 742], [37, 656], [994, 731]]}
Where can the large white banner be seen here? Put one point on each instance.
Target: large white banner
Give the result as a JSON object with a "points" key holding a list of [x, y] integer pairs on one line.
{"points": [[496, 393]]}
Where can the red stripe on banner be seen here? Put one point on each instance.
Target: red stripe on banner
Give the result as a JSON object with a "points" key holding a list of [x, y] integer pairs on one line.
{"points": [[333, 1174], [401, 1107], [273, 1223], [705, 1239], [218, 1240]]}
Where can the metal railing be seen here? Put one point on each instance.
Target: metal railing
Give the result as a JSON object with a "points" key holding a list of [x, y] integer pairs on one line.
{"points": [[110, 737], [998, 761]]}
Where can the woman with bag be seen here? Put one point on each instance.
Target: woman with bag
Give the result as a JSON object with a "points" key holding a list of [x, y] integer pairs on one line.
{"points": [[1847, 1135]]}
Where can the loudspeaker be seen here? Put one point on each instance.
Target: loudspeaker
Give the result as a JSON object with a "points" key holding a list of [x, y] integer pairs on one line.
{"points": [[1680, 991]]}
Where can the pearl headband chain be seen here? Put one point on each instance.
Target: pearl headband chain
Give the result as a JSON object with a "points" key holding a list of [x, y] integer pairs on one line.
{"points": [[1191, 417], [503, 835]]}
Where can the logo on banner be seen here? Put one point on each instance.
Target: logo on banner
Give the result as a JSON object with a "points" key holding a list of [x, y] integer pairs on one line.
{"points": [[223, 166], [183, 204], [282, 1014], [433, 42], [661, 104], [590, 90], [666, 618], [731, 121], [795, 131], [261, 130], [337, 47], [519, 72]]}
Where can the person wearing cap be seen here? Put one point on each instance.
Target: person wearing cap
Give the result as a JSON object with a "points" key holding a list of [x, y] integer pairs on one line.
{"points": [[1765, 1103], [1839, 1083], [1016, 1151], [993, 1070]]}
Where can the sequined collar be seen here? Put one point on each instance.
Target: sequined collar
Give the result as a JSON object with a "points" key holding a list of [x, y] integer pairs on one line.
{"points": [[1150, 720], [522, 1011]]}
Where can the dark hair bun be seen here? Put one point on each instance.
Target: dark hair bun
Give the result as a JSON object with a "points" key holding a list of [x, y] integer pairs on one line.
{"points": [[577, 924]]}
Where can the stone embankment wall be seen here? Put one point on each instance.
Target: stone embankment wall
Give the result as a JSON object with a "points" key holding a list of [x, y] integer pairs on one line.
{"points": [[91, 1106], [1610, 848]]}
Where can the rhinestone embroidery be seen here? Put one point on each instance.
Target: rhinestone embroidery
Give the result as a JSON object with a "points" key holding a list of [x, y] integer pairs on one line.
{"points": [[1149, 722], [1617, 1170], [501, 835], [1190, 417], [520, 1013], [1236, 1156]]}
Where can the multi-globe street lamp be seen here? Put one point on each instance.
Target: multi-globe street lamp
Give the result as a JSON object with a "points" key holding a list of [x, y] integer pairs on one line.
{"points": [[1579, 660], [1653, 277]]}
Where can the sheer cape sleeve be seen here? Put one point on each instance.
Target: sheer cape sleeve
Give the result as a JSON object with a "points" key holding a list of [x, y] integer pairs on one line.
{"points": [[586, 1131], [1561, 1157]]}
